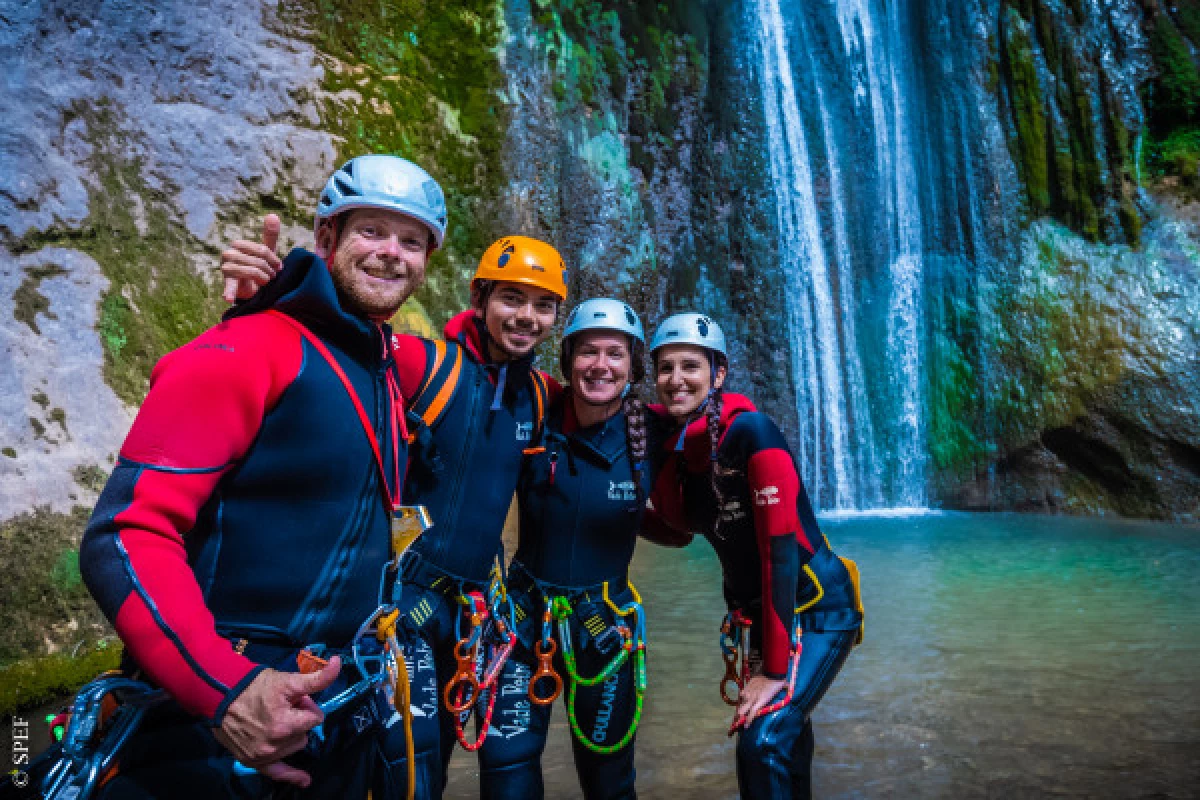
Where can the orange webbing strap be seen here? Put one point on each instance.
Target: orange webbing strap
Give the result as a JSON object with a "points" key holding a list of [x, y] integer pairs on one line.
{"points": [[540, 396], [433, 411], [439, 355]]}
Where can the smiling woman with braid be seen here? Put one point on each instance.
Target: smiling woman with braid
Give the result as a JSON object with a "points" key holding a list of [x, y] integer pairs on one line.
{"points": [[725, 471], [581, 499]]}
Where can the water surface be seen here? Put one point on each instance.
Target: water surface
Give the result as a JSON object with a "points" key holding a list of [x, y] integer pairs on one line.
{"points": [[1005, 656]]}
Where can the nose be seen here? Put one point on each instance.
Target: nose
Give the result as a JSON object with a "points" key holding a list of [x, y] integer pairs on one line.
{"points": [[389, 247], [525, 312]]}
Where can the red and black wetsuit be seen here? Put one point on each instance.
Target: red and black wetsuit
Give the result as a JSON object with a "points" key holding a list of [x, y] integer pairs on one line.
{"points": [[774, 560], [245, 517]]}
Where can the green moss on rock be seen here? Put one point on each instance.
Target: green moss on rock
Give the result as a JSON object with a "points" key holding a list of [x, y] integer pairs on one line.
{"points": [[28, 302], [42, 598], [421, 81], [1028, 111], [155, 301], [37, 681]]}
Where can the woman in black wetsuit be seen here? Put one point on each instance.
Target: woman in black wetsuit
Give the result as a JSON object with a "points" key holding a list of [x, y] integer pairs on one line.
{"points": [[724, 470], [581, 502]]}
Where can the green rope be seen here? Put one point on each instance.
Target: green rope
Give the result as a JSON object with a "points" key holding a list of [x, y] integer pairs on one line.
{"points": [[561, 609], [604, 750]]}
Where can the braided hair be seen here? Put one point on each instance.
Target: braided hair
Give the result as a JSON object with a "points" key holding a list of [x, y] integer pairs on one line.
{"points": [[716, 403]]}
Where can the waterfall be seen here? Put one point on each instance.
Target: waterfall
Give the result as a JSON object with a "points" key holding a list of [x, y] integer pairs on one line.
{"points": [[849, 457], [808, 291]]}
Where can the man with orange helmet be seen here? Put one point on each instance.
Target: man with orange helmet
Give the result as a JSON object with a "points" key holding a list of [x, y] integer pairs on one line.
{"points": [[475, 403]]}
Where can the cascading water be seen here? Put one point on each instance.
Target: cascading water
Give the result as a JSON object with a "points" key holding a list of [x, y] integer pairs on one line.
{"points": [[850, 456]]}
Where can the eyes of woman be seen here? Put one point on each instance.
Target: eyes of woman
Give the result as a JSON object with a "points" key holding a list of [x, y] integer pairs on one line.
{"points": [[613, 353], [687, 366]]}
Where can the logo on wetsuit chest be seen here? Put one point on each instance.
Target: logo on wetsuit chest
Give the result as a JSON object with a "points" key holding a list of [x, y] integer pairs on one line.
{"points": [[767, 496], [625, 490], [524, 431]]}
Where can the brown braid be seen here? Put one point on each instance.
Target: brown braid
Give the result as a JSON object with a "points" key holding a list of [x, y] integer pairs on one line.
{"points": [[635, 439], [713, 412]]}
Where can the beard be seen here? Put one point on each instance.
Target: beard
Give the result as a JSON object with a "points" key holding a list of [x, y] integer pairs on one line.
{"points": [[360, 294]]}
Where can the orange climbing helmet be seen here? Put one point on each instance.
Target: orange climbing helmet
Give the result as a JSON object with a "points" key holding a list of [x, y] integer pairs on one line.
{"points": [[521, 259]]}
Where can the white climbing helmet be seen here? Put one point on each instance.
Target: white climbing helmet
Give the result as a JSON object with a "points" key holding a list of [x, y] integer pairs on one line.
{"points": [[604, 314], [387, 182], [690, 328]]}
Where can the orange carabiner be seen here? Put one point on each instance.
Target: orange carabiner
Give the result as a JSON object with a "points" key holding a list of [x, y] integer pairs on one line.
{"points": [[545, 670], [464, 679], [731, 676]]}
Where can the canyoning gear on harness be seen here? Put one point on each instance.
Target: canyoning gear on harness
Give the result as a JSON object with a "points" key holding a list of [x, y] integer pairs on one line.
{"points": [[524, 260], [544, 650], [735, 652], [103, 717], [631, 641], [741, 722], [388, 183], [690, 328], [480, 655], [604, 314]]}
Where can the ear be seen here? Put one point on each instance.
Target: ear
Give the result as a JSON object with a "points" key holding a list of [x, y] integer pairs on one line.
{"points": [[719, 380], [326, 242]]}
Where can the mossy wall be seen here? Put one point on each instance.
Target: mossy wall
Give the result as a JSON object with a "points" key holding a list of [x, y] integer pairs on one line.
{"points": [[421, 81], [1069, 126]]}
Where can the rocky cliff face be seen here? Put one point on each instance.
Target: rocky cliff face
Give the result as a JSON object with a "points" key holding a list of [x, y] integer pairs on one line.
{"points": [[1027, 166]]}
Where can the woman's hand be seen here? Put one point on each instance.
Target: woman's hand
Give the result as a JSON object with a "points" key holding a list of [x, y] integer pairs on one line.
{"points": [[248, 266], [759, 691]]}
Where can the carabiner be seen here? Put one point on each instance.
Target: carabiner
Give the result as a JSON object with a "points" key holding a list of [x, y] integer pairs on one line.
{"points": [[545, 669]]}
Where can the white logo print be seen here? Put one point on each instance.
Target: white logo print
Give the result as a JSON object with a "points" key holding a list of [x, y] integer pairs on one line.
{"points": [[626, 490], [524, 431], [767, 496], [732, 511]]}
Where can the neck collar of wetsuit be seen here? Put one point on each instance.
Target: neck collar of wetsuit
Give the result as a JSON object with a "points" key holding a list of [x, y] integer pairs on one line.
{"points": [[469, 330], [697, 445], [304, 290], [604, 440]]}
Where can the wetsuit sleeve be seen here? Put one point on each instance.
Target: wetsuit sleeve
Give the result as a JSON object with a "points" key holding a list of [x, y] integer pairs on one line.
{"points": [[655, 529], [409, 352], [782, 542], [204, 409]]}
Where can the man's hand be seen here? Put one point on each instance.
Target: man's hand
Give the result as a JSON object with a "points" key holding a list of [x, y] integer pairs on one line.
{"points": [[248, 266], [271, 719]]}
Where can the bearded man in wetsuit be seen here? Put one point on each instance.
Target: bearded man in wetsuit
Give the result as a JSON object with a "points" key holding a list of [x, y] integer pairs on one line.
{"points": [[481, 404], [248, 515]]}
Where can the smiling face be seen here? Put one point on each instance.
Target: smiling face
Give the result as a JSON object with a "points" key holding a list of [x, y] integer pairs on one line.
{"points": [[378, 259], [600, 367], [518, 317], [683, 377]]}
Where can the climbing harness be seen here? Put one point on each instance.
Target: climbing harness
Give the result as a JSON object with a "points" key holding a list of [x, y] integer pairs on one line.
{"points": [[480, 655], [632, 635]]}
